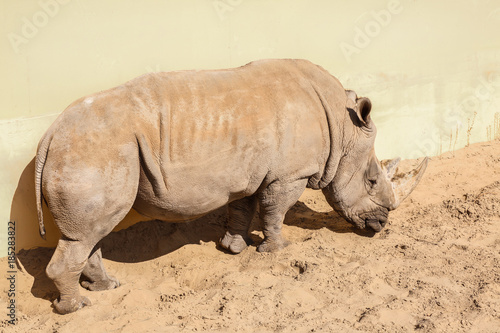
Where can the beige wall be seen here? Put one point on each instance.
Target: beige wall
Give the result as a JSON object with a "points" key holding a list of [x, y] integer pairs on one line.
{"points": [[426, 65]]}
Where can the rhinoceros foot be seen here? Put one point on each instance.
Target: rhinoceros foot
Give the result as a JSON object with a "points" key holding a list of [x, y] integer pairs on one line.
{"points": [[273, 244], [110, 283], [235, 243], [71, 305]]}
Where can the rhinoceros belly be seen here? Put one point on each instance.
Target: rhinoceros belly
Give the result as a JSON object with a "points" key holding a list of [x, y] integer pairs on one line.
{"points": [[187, 192]]}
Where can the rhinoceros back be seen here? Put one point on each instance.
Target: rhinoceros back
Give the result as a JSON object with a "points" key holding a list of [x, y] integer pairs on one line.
{"points": [[219, 135], [205, 138]]}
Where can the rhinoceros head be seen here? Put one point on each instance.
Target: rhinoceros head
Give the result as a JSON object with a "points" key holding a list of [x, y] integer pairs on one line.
{"points": [[364, 189]]}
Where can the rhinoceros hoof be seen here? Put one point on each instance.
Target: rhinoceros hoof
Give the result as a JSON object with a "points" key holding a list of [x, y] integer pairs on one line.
{"points": [[111, 283], [68, 306], [235, 243], [273, 245]]}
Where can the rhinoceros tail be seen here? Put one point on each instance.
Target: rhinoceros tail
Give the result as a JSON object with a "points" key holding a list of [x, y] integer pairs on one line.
{"points": [[41, 156]]}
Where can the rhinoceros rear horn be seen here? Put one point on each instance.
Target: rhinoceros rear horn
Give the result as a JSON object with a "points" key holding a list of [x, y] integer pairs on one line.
{"points": [[404, 184], [390, 167]]}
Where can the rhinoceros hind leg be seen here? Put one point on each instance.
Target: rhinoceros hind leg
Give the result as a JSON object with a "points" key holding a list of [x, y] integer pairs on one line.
{"points": [[73, 255], [274, 202], [65, 267], [241, 213], [95, 272]]}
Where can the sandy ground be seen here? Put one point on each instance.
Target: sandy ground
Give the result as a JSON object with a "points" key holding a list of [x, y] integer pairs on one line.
{"points": [[434, 268]]}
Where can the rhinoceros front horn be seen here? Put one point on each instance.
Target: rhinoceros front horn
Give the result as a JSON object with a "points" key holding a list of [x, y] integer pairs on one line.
{"points": [[404, 184]]}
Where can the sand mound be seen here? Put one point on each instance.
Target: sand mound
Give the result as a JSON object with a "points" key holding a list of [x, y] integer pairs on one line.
{"points": [[476, 207], [434, 268]]}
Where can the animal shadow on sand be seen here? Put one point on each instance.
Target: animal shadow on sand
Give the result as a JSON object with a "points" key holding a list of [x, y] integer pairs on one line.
{"points": [[144, 240]]}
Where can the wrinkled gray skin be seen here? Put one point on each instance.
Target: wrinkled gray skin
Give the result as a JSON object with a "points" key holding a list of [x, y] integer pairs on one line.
{"points": [[175, 146]]}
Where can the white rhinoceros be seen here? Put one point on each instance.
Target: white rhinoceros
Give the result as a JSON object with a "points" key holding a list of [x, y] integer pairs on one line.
{"points": [[178, 145]]}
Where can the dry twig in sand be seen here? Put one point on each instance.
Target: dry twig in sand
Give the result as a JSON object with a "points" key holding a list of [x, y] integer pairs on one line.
{"points": [[469, 127]]}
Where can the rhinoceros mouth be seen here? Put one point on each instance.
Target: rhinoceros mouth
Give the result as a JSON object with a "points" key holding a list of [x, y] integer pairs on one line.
{"points": [[375, 220], [375, 225]]}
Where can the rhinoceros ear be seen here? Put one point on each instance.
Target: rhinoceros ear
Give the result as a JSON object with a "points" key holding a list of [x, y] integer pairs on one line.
{"points": [[363, 108], [351, 99]]}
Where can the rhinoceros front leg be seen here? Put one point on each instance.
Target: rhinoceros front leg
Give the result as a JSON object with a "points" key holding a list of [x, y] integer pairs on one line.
{"points": [[95, 272], [241, 213], [274, 202]]}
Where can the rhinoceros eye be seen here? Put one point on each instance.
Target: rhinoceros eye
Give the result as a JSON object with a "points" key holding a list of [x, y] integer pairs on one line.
{"points": [[372, 182]]}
